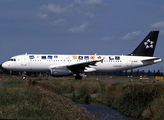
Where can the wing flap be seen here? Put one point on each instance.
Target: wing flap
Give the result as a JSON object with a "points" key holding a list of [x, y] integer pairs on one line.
{"points": [[78, 67]]}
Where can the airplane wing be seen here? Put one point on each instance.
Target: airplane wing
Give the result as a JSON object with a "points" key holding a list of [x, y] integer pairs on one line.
{"points": [[76, 68], [80, 67]]}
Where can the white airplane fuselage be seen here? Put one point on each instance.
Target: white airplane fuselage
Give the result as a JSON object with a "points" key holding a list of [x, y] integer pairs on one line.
{"points": [[109, 63], [64, 65]]}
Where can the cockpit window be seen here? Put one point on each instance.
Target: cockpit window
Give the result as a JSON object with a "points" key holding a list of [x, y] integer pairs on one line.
{"points": [[12, 59]]}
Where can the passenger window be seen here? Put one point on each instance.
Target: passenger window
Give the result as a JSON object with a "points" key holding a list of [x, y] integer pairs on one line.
{"points": [[43, 57]]}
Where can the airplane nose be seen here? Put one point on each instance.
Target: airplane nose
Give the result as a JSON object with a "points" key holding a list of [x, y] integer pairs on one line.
{"points": [[4, 65]]}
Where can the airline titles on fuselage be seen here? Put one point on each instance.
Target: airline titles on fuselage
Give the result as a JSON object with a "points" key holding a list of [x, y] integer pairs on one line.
{"points": [[80, 58]]}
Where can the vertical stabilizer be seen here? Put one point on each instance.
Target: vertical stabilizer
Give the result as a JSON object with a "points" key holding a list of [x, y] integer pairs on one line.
{"points": [[147, 46]]}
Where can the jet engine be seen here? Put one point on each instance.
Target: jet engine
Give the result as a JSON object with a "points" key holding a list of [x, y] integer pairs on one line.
{"points": [[58, 72]]}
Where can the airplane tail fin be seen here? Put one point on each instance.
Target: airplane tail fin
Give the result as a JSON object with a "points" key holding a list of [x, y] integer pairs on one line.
{"points": [[147, 46]]}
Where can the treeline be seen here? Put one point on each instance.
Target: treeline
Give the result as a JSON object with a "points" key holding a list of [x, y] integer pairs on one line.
{"points": [[128, 73], [120, 73]]}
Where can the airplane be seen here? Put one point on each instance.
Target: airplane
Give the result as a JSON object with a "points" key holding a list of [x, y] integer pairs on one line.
{"points": [[78, 65]]}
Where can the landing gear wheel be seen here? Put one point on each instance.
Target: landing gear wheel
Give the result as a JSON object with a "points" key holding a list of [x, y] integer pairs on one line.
{"points": [[78, 77]]}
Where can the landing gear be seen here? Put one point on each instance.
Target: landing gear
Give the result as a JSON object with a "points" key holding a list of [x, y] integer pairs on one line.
{"points": [[24, 75], [78, 77]]}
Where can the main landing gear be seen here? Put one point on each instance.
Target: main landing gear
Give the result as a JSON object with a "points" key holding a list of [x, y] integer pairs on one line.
{"points": [[78, 77]]}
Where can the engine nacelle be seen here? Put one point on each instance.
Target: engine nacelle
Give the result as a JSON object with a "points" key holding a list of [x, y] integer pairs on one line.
{"points": [[58, 72]]}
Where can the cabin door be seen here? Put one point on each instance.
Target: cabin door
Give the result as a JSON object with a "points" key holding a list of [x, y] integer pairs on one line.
{"points": [[129, 61], [24, 60]]}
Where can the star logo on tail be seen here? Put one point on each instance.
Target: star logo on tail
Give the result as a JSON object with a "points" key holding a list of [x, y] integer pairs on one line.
{"points": [[149, 44]]}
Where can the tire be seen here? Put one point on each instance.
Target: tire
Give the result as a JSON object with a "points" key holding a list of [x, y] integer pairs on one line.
{"points": [[78, 77]]}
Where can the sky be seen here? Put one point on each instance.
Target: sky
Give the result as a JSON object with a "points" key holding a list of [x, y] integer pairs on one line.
{"points": [[105, 27]]}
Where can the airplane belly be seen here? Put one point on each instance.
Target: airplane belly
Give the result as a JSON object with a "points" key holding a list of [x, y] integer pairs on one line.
{"points": [[39, 67], [107, 67]]}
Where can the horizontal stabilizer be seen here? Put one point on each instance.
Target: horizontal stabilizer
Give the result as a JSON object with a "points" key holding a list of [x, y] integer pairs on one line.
{"points": [[152, 59]]}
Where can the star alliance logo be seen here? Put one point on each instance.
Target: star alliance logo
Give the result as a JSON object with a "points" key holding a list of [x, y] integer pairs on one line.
{"points": [[149, 44]]}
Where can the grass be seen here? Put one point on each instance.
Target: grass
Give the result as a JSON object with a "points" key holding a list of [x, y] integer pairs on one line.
{"points": [[18, 100], [56, 98]]}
